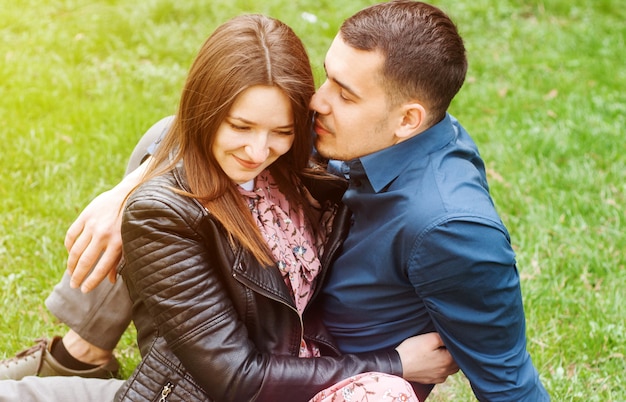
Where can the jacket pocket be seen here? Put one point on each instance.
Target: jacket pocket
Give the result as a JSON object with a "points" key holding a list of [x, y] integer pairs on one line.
{"points": [[160, 377]]}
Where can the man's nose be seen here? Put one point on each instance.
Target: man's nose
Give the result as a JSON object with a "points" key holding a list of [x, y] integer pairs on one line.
{"points": [[318, 103]]}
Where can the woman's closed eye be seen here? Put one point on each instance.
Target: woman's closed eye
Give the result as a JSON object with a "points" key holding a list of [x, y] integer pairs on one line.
{"points": [[284, 132], [239, 127]]}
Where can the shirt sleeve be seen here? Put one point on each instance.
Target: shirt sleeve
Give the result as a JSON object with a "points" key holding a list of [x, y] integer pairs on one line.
{"points": [[161, 127], [465, 271]]}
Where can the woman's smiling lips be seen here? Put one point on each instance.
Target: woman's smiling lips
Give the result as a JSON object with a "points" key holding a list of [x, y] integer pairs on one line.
{"points": [[247, 164]]}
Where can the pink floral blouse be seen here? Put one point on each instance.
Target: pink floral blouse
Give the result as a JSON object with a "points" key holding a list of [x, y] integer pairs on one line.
{"points": [[290, 238], [296, 252]]}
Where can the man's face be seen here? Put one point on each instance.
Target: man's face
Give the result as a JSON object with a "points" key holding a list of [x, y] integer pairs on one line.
{"points": [[353, 118]]}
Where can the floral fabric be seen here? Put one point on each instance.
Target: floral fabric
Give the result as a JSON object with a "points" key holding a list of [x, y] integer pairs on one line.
{"points": [[294, 248], [296, 252], [370, 387]]}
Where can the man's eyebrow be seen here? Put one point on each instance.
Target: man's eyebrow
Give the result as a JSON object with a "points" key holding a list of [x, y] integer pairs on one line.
{"points": [[341, 84]]}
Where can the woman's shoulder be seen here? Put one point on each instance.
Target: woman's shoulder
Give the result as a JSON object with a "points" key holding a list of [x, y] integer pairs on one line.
{"points": [[159, 187], [161, 196]]}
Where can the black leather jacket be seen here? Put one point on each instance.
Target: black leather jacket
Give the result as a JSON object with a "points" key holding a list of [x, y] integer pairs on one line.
{"points": [[215, 311]]}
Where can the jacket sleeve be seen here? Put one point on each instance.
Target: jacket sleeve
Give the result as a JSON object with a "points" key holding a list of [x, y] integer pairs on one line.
{"points": [[168, 267]]}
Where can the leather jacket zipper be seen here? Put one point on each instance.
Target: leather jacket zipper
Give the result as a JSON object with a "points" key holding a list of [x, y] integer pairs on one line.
{"points": [[166, 391]]}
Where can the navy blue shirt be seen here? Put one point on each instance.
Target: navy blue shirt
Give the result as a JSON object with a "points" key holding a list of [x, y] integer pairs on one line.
{"points": [[427, 252]]}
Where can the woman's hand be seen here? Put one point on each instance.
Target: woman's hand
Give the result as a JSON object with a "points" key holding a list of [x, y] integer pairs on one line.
{"points": [[425, 359]]}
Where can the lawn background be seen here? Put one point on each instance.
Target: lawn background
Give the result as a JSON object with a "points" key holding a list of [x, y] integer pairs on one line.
{"points": [[545, 99]]}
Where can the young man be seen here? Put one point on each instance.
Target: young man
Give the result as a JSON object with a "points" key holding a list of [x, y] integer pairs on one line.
{"points": [[427, 250]]}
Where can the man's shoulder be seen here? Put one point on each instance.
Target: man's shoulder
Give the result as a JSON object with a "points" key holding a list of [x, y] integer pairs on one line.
{"points": [[446, 193]]}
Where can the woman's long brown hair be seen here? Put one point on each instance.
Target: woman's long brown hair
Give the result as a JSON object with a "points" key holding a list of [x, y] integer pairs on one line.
{"points": [[246, 51]]}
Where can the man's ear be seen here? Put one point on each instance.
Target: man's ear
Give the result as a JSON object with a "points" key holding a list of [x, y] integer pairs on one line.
{"points": [[413, 120]]}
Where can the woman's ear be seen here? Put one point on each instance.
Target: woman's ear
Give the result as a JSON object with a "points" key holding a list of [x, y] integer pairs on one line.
{"points": [[413, 120]]}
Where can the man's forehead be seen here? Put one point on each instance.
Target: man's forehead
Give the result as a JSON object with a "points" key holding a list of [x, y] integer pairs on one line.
{"points": [[335, 57], [352, 67]]}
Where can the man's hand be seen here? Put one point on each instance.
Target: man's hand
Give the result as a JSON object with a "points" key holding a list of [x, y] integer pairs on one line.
{"points": [[425, 359], [94, 240]]}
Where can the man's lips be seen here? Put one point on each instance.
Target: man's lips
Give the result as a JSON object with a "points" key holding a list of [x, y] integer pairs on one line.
{"points": [[320, 129]]}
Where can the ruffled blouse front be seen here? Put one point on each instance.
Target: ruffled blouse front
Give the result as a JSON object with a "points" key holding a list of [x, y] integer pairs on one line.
{"points": [[291, 240]]}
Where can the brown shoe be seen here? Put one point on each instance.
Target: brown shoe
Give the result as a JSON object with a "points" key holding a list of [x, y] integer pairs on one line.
{"points": [[38, 361]]}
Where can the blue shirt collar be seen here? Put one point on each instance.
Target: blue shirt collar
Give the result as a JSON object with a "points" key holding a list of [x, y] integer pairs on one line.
{"points": [[382, 167]]}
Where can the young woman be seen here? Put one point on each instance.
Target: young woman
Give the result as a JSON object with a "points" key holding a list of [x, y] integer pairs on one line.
{"points": [[226, 241]]}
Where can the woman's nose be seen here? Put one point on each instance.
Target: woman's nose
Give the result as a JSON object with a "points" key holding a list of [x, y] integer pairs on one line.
{"points": [[257, 149]]}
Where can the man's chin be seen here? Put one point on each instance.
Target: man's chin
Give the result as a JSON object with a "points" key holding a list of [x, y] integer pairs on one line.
{"points": [[324, 151]]}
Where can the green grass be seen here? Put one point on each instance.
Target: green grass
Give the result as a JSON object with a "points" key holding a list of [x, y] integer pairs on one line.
{"points": [[545, 100]]}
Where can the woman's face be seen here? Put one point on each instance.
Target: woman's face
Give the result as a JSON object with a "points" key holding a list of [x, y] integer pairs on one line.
{"points": [[257, 131]]}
